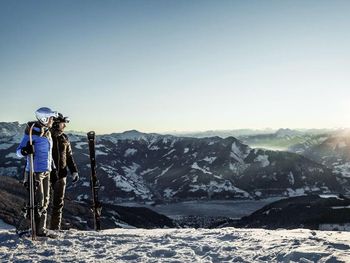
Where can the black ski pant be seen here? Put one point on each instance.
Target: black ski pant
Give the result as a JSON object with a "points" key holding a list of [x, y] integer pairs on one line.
{"points": [[59, 189]]}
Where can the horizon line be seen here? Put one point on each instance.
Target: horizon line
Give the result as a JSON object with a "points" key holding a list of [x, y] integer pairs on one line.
{"points": [[198, 131]]}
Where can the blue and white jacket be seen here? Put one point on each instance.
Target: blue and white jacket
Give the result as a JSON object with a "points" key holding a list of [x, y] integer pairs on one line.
{"points": [[42, 141]]}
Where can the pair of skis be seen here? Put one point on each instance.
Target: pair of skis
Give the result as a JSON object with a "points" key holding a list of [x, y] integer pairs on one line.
{"points": [[21, 225], [94, 183], [31, 180]]}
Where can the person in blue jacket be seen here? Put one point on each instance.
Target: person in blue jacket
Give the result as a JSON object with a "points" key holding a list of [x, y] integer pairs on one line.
{"points": [[43, 163]]}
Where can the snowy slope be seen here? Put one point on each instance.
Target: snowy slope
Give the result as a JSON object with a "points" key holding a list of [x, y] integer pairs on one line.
{"points": [[180, 245]]}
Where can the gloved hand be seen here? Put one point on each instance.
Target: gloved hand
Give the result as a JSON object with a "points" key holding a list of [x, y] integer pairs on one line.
{"points": [[29, 149], [75, 177], [53, 176]]}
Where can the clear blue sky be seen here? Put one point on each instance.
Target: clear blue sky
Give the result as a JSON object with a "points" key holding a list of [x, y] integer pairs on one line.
{"points": [[160, 66]]}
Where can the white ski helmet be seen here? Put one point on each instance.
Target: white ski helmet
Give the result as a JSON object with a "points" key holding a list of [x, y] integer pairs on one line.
{"points": [[44, 114]]}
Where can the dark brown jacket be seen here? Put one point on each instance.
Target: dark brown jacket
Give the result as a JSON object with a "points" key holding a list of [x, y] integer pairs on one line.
{"points": [[62, 154]]}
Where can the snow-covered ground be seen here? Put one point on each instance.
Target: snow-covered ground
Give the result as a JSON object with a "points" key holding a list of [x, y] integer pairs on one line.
{"points": [[179, 245]]}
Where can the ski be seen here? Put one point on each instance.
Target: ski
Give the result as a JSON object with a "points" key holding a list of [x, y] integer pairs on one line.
{"points": [[94, 183], [32, 187]]}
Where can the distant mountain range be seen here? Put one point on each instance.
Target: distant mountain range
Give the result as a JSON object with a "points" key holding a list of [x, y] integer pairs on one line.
{"points": [[241, 133], [327, 147], [143, 167], [223, 133], [287, 140]]}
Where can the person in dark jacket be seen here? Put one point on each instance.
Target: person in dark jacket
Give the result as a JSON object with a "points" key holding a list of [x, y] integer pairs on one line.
{"points": [[63, 159], [41, 148]]}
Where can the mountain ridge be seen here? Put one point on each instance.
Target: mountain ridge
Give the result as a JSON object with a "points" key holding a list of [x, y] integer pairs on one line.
{"points": [[153, 167]]}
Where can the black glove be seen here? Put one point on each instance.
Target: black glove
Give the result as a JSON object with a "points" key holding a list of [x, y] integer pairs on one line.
{"points": [[53, 176], [29, 149]]}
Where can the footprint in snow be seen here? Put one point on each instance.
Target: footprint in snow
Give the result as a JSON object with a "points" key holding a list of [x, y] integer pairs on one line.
{"points": [[163, 253]]}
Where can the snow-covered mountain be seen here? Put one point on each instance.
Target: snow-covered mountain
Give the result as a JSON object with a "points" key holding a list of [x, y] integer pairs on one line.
{"points": [[152, 167], [223, 133], [296, 141], [334, 152], [328, 147], [10, 129], [161, 167], [10, 134]]}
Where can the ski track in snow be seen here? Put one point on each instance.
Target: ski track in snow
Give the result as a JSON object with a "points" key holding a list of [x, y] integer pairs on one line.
{"points": [[179, 245]]}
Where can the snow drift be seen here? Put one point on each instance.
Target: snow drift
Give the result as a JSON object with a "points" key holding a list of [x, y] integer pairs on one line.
{"points": [[180, 245]]}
